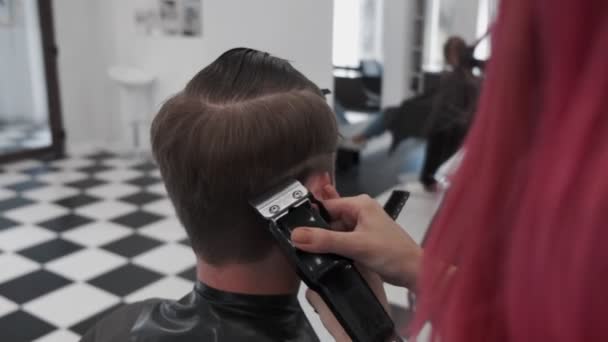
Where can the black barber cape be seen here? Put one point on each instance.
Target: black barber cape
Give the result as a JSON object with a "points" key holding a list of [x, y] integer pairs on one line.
{"points": [[207, 315]]}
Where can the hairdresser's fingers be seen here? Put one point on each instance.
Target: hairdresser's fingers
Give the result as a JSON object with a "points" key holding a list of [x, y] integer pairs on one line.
{"points": [[348, 209], [330, 192], [349, 244], [340, 226], [327, 317]]}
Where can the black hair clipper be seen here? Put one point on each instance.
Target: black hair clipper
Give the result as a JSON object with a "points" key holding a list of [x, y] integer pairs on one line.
{"points": [[333, 277]]}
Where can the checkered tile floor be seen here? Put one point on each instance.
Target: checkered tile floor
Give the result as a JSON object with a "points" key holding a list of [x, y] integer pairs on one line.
{"points": [[80, 237]]}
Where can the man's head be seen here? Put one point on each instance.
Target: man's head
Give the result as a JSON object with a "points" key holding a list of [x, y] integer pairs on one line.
{"points": [[242, 124], [454, 51]]}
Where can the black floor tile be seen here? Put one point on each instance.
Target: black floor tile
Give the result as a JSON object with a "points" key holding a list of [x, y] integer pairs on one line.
{"points": [[141, 198], [65, 222], [146, 166], [82, 327], [124, 280], [32, 285], [76, 201], [132, 245], [186, 242], [189, 274], [95, 168], [6, 223], [86, 183], [20, 326], [14, 203], [50, 250], [27, 185], [137, 219], [101, 155], [144, 180]]}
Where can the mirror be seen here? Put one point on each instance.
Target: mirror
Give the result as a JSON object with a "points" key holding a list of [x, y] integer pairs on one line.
{"points": [[26, 102]]}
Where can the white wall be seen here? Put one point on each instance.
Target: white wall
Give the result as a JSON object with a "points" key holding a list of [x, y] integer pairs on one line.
{"points": [[465, 15], [22, 82], [93, 35], [398, 39], [81, 64]]}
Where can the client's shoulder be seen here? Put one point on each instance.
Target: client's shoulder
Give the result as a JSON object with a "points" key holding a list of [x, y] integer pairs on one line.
{"points": [[117, 325]]}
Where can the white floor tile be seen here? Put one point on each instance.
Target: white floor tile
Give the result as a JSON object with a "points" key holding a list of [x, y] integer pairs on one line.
{"points": [[169, 287], [50, 193], [6, 193], [167, 259], [21, 237], [86, 264], [6, 306], [96, 233], [156, 173], [164, 207], [62, 177], [77, 302], [396, 295], [73, 163], [59, 336], [106, 210], [13, 266], [166, 230], [113, 190], [21, 165], [118, 175], [10, 178], [158, 188], [121, 162], [36, 213]]}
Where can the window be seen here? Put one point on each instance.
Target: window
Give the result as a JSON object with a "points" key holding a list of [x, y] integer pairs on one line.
{"points": [[469, 19], [357, 33]]}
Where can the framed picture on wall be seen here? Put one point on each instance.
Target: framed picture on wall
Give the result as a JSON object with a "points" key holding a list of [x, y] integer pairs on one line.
{"points": [[192, 21], [6, 12], [168, 18]]}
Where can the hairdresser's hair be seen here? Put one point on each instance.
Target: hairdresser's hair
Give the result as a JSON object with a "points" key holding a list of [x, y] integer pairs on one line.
{"points": [[526, 219], [243, 123]]}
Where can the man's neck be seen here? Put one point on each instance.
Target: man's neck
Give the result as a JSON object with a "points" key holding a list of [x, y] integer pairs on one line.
{"points": [[271, 276]]}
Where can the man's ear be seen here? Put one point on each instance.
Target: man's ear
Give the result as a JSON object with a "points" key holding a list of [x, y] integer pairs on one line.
{"points": [[317, 182]]}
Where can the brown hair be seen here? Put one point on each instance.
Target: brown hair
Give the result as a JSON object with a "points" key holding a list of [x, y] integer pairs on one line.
{"points": [[242, 124], [455, 45]]}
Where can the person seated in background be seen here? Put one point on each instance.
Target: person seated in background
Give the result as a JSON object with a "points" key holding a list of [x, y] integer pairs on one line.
{"points": [[442, 116], [453, 109], [243, 124]]}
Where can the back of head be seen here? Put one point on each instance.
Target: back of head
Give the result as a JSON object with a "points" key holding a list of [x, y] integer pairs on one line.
{"points": [[526, 217], [455, 51], [242, 124]]}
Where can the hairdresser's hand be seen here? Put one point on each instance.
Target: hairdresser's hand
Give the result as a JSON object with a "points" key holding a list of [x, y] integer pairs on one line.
{"points": [[369, 236], [327, 317]]}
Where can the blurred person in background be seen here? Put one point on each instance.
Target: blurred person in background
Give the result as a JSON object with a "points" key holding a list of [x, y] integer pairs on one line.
{"points": [[442, 115], [452, 110]]}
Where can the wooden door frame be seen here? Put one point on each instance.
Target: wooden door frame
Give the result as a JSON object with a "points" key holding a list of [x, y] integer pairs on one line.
{"points": [[49, 53]]}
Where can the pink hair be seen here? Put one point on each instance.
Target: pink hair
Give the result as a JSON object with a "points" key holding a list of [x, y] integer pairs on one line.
{"points": [[526, 219]]}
